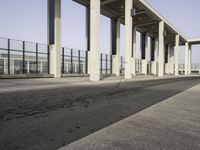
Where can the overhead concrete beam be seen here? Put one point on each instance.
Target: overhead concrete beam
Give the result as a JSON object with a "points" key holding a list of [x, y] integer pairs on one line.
{"points": [[107, 2], [155, 13], [138, 12], [143, 7], [194, 41], [147, 23], [108, 11]]}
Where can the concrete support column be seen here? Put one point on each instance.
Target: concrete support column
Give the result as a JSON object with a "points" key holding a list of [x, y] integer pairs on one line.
{"points": [[153, 53], [156, 56], [5, 66], [115, 46], [177, 49], [87, 36], [189, 59], [94, 55], [144, 52], [128, 39], [167, 63], [41, 67], [134, 52], [28, 66], [54, 36], [161, 50], [186, 57], [12, 66], [171, 60], [168, 59]]}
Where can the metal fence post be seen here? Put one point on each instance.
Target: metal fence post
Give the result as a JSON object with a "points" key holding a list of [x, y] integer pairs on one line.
{"points": [[9, 56], [63, 60], [101, 69], [111, 64], [136, 66], [86, 62], [37, 58], [72, 61], [48, 59], [23, 59], [106, 64], [121, 65], [79, 61]]}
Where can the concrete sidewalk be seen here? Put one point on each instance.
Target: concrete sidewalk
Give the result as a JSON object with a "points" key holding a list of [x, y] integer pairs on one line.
{"points": [[173, 124], [11, 85]]}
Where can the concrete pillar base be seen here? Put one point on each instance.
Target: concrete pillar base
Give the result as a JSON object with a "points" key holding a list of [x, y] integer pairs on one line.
{"points": [[166, 68], [116, 65], [129, 76], [55, 60], [94, 77], [144, 67], [133, 67], [154, 68]]}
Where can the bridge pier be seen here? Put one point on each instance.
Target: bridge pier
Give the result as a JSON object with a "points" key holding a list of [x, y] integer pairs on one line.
{"points": [[54, 36]]}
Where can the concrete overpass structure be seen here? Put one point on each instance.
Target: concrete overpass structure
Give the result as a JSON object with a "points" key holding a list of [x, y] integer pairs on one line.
{"points": [[136, 15]]}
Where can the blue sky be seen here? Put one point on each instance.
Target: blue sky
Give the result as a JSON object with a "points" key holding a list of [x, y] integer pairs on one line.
{"points": [[26, 20]]}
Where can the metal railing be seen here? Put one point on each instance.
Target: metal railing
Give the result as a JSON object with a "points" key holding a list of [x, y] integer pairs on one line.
{"points": [[73, 61], [194, 68], [122, 65], [23, 57], [149, 68], [138, 66], [105, 64]]}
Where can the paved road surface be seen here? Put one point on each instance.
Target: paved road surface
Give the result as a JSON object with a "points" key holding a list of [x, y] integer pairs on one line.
{"points": [[48, 119], [173, 124]]}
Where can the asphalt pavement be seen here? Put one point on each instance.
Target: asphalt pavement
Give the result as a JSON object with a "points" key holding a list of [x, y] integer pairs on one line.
{"points": [[173, 124], [47, 119]]}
